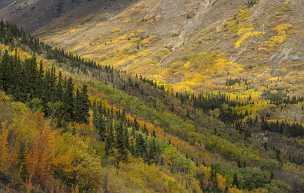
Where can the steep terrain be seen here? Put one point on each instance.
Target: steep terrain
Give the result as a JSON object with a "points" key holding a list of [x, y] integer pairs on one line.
{"points": [[35, 14], [135, 136], [247, 137], [186, 44], [217, 45]]}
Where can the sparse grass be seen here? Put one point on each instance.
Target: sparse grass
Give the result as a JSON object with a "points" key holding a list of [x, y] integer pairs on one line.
{"points": [[239, 21], [134, 45]]}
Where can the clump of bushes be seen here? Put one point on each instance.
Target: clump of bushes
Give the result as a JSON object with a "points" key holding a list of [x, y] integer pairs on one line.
{"points": [[251, 3]]}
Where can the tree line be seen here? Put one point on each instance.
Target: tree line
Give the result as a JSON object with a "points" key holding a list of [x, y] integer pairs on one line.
{"points": [[182, 103], [290, 129], [280, 98]]}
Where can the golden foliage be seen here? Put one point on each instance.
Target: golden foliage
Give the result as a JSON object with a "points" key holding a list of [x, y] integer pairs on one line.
{"points": [[234, 190], [247, 36], [44, 151], [205, 173], [141, 177], [282, 31], [4, 149], [39, 157], [239, 21], [221, 182], [204, 66]]}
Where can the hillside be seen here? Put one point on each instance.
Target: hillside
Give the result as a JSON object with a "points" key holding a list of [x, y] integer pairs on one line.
{"points": [[122, 113], [186, 44], [133, 126], [35, 14]]}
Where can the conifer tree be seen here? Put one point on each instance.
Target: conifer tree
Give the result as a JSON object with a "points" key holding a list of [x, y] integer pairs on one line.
{"points": [[84, 104], [154, 151], [121, 143], [140, 146], [68, 100], [5, 72], [109, 139], [77, 106], [100, 122], [59, 88], [235, 181]]}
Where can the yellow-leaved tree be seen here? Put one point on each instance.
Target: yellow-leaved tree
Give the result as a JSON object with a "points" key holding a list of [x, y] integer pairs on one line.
{"points": [[221, 182], [234, 190], [4, 149]]}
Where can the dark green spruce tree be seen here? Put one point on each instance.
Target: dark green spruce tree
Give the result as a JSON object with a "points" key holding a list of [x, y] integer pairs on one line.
{"points": [[68, 101]]}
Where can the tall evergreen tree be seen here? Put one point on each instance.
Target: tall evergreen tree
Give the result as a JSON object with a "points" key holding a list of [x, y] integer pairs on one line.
{"points": [[85, 104], [235, 181], [154, 151], [121, 143], [140, 146], [68, 100], [77, 106], [109, 142], [59, 88], [100, 123]]}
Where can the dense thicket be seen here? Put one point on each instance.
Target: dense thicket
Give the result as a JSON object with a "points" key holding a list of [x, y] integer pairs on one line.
{"points": [[43, 89], [124, 135], [38, 158], [291, 129], [280, 98]]}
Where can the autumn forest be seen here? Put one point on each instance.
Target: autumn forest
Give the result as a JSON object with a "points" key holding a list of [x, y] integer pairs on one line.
{"points": [[70, 125]]}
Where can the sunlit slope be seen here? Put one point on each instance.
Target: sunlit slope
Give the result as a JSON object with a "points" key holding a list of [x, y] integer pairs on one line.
{"points": [[198, 146], [188, 44], [197, 44]]}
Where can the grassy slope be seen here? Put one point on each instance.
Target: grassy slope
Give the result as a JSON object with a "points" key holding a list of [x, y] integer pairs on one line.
{"points": [[259, 44]]}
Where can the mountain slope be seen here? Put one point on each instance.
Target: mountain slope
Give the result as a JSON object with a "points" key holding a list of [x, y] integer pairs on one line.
{"points": [[187, 44], [210, 45], [34, 14], [248, 136], [199, 151], [37, 156]]}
